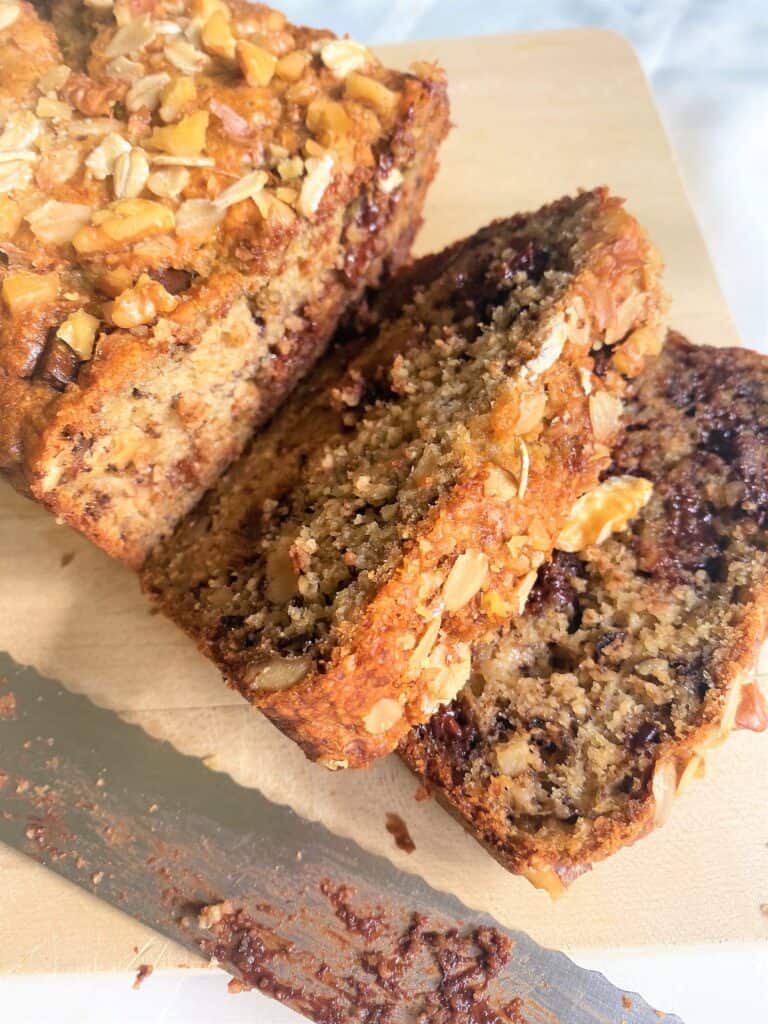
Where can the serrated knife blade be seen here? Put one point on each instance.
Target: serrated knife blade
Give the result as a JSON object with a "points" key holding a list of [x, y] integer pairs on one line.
{"points": [[283, 904]]}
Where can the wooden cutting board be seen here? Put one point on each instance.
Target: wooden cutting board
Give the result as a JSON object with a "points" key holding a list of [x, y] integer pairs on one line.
{"points": [[535, 116]]}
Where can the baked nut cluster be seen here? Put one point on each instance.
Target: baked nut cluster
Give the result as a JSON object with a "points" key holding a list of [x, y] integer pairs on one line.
{"points": [[182, 114], [162, 161]]}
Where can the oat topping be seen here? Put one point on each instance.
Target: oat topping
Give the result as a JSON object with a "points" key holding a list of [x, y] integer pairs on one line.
{"points": [[9, 12], [189, 108], [188, 202], [125, 68], [245, 188], [146, 91], [130, 174], [56, 222], [319, 171], [101, 160]]}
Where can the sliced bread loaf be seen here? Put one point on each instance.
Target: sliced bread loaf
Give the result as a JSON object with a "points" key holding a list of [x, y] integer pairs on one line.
{"points": [[398, 507], [584, 717], [192, 192]]}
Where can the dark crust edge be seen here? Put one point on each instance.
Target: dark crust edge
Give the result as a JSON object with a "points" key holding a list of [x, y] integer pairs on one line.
{"points": [[538, 862]]}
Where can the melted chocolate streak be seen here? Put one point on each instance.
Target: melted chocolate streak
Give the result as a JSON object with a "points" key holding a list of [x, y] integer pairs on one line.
{"points": [[441, 975], [318, 950], [466, 964]]}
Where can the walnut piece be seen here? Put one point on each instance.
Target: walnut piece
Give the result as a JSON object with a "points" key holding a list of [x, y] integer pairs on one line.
{"points": [[257, 64], [79, 332], [186, 138], [142, 304], [602, 511], [217, 38], [127, 220], [373, 93], [22, 290], [342, 56], [175, 96]]}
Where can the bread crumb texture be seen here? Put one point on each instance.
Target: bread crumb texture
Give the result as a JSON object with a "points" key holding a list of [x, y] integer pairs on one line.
{"points": [[399, 506], [582, 719]]}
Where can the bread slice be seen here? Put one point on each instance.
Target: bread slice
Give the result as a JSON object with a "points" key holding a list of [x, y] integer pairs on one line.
{"points": [[584, 718], [398, 506], [192, 192]]}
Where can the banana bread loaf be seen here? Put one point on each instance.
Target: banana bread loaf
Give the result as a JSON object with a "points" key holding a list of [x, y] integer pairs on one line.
{"points": [[397, 507], [584, 718], [191, 194]]}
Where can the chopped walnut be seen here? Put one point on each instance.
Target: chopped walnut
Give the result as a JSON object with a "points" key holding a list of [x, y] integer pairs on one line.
{"points": [[604, 510], [368, 90], [22, 290], [291, 67], [124, 221], [175, 97], [257, 64], [342, 56], [142, 303], [79, 332], [186, 138], [217, 37]]}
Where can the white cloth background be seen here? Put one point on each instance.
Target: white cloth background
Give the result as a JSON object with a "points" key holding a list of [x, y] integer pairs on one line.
{"points": [[708, 63]]}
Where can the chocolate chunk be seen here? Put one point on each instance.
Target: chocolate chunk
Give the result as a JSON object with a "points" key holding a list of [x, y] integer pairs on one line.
{"points": [[399, 832], [647, 732], [690, 538], [173, 280], [605, 641], [554, 584], [58, 364], [452, 728]]}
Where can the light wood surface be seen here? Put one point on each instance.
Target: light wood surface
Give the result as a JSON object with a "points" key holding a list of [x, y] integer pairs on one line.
{"points": [[536, 116]]}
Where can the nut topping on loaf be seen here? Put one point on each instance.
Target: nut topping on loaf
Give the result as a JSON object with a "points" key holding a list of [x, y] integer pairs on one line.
{"points": [[398, 508], [585, 717], [191, 194]]}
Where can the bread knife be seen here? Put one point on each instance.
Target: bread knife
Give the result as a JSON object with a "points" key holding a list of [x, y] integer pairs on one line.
{"points": [[280, 902]]}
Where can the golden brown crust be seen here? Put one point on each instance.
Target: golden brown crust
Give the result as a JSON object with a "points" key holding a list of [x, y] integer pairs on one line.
{"points": [[521, 462], [162, 184], [328, 713], [682, 602]]}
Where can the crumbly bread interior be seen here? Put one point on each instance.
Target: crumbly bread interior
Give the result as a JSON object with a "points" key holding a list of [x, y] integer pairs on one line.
{"points": [[397, 417], [277, 570], [632, 656]]}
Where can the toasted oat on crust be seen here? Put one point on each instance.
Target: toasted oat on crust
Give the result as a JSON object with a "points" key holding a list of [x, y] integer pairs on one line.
{"points": [[191, 194], [398, 506], [583, 718]]}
